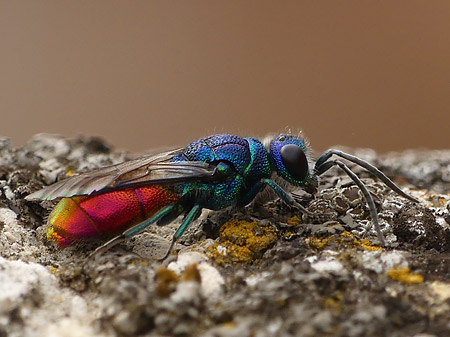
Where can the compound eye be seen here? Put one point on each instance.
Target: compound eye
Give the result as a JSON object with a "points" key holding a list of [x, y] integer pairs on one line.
{"points": [[294, 160]]}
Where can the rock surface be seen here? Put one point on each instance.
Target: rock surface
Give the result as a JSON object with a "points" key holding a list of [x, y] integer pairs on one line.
{"points": [[264, 270]]}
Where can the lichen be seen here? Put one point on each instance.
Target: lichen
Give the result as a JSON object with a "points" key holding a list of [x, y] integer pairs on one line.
{"points": [[333, 303], [241, 241], [405, 276], [345, 239], [166, 281], [294, 220]]}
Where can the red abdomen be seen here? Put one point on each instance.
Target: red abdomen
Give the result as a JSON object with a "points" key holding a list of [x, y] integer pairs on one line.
{"points": [[84, 217]]}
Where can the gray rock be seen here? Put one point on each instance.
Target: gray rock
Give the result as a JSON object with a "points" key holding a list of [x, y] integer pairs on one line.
{"points": [[315, 277]]}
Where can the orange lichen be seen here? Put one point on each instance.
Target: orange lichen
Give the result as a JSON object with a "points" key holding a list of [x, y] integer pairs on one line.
{"points": [[404, 275], [241, 241]]}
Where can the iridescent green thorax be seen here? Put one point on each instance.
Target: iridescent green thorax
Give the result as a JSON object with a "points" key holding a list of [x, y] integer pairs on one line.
{"points": [[246, 158]]}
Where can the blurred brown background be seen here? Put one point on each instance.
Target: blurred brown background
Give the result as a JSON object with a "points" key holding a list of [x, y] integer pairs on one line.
{"points": [[146, 74]]}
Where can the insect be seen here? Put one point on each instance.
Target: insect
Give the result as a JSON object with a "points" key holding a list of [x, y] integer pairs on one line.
{"points": [[213, 173]]}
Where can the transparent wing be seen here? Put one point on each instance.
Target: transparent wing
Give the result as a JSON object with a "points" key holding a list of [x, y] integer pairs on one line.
{"points": [[143, 171]]}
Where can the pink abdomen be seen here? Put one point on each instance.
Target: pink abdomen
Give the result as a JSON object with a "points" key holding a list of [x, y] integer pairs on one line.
{"points": [[84, 217]]}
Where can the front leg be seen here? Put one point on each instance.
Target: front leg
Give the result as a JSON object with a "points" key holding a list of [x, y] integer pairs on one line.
{"points": [[285, 196], [282, 194]]}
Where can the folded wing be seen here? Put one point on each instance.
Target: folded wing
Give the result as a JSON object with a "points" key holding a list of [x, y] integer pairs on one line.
{"points": [[143, 171]]}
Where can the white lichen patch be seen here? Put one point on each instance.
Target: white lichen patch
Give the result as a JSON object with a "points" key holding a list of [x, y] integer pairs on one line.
{"points": [[255, 279], [32, 293], [186, 259], [186, 292], [49, 169], [441, 290], [67, 327], [222, 250], [17, 281], [49, 146], [9, 194], [328, 263], [16, 237], [381, 261], [211, 280], [11, 232], [8, 217]]}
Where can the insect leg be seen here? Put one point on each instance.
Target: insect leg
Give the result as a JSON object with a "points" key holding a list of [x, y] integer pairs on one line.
{"points": [[319, 168], [171, 216], [193, 214], [285, 196], [133, 230], [251, 193], [373, 211]]}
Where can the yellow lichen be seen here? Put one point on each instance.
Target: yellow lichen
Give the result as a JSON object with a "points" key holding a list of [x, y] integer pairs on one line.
{"points": [[404, 275], [241, 241], [70, 172], [365, 244], [138, 262], [288, 234], [346, 239], [347, 235], [333, 303], [294, 220], [317, 243], [229, 325]]}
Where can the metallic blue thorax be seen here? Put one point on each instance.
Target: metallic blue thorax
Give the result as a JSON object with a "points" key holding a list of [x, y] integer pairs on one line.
{"points": [[248, 159]]}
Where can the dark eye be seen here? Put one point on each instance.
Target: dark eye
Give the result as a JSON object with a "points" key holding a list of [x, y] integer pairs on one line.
{"points": [[294, 160]]}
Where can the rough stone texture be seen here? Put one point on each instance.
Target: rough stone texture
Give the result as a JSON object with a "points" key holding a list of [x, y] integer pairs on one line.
{"points": [[265, 270]]}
